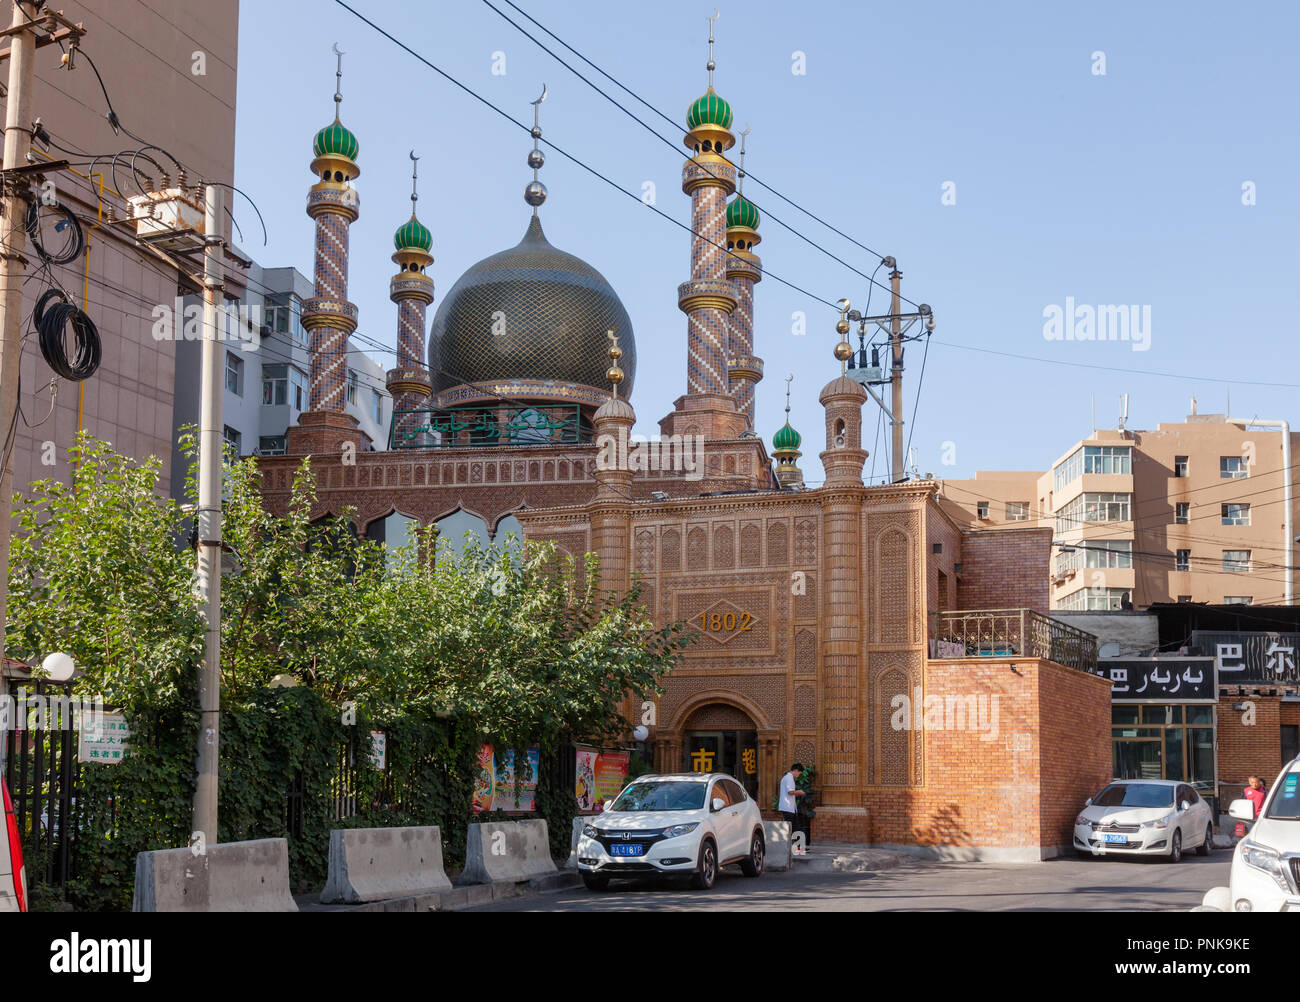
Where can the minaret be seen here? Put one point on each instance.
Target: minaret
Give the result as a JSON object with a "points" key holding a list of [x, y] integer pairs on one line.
{"points": [[328, 317], [412, 290], [744, 269], [785, 447], [708, 407]]}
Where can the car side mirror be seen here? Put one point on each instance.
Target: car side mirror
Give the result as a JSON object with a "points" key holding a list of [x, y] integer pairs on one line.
{"points": [[718, 804], [1242, 810], [1184, 806], [1088, 802]]}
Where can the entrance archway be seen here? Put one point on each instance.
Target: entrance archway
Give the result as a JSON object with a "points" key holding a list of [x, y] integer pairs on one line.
{"points": [[719, 737]]}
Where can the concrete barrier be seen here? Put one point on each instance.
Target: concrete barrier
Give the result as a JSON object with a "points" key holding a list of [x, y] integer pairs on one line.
{"points": [[777, 845], [578, 824], [499, 852], [374, 864], [227, 877]]}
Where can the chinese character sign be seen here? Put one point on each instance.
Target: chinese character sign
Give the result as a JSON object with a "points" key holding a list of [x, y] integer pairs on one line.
{"points": [[103, 739]]}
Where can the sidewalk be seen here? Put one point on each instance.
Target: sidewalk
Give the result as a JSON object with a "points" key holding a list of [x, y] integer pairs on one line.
{"points": [[828, 857]]}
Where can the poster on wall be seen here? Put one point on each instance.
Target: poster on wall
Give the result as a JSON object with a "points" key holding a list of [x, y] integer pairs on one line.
{"points": [[611, 770], [507, 797], [484, 780], [586, 779]]}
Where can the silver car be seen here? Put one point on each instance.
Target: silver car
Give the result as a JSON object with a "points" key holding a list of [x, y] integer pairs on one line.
{"points": [[1145, 817]]}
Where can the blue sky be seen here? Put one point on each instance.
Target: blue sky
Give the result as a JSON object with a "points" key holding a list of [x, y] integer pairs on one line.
{"points": [[1122, 188]]}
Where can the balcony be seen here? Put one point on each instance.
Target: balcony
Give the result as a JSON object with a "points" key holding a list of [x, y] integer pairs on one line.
{"points": [[1004, 633]]}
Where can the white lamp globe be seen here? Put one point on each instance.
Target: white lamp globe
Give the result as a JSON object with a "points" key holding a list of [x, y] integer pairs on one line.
{"points": [[641, 732], [58, 667]]}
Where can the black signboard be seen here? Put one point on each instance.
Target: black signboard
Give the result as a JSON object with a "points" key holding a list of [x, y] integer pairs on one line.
{"points": [[1250, 657], [1161, 680]]}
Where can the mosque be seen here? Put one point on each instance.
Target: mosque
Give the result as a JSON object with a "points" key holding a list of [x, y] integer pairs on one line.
{"points": [[815, 611]]}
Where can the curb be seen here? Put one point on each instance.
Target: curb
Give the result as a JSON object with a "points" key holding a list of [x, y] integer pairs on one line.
{"points": [[456, 899]]}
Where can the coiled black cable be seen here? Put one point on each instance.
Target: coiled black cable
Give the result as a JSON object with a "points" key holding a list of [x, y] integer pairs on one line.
{"points": [[71, 251], [52, 320]]}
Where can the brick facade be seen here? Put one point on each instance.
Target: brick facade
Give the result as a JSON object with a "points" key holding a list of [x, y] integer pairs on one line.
{"points": [[1005, 569]]}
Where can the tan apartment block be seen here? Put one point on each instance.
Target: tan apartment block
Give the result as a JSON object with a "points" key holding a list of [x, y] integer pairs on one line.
{"points": [[169, 68], [1193, 511]]}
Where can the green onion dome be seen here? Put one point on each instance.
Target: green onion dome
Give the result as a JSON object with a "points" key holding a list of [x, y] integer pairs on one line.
{"points": [[786, 439], [335, 140], [413, 235], [741, 212], [709, 110]]}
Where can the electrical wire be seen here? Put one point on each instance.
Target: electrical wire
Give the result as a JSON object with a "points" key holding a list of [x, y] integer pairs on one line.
{"points": [[54, 313]]}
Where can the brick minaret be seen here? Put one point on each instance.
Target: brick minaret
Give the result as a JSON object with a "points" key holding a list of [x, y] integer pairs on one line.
{"points": [[328, 317], [841, 502], [708, 407], [412, 290], [744, 269]]}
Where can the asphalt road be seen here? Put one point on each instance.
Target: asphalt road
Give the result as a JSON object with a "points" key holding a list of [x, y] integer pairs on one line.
{"points": [[1055, 885]]}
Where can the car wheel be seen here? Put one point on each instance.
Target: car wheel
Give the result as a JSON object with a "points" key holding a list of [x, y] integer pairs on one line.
{"points": [[1176, 846], [1204, 848], [707, 872], [752, 865], [595, 882]]}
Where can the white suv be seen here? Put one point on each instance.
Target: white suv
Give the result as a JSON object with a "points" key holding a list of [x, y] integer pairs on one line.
{"points": [[1265, 874], [690, 823]]}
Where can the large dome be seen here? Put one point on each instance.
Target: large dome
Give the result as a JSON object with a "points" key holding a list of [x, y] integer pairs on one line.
{"points": [[530, 313]]}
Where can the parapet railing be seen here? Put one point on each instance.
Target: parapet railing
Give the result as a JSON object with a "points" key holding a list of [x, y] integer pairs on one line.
{"points": [[1025, 633]]}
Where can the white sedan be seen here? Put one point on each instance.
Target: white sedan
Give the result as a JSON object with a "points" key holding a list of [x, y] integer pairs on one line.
{"points": [[688, 824], [1145, 817]]}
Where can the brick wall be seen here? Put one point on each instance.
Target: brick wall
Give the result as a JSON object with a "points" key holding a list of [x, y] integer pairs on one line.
{"points": [[1047, 750], [1250, 749], [1005, 569]]}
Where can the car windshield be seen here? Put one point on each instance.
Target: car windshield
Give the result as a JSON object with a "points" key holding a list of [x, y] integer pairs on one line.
{"points": [[1135, 795], [1286, 799], [661, 796]]}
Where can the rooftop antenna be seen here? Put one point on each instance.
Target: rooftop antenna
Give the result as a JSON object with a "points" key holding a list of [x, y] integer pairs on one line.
{"points": [[535, 191], [1123, 410]]}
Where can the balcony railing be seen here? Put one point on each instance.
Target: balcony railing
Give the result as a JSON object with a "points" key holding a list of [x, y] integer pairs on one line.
{"points": [[1002, 633]]}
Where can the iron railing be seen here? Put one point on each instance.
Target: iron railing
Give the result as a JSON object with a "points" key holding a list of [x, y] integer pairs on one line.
{"points": [[1012, 633]]}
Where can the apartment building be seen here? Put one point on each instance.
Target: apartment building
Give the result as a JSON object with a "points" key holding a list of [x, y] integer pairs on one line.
{"points": [[265, 373], [1193, 511]]}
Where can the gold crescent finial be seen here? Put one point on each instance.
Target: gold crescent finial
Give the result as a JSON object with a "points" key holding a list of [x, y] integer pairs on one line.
{"points": [[788, 380], [415, 166], [711, 65], [542, 98], [614, 374], [338, 78]]}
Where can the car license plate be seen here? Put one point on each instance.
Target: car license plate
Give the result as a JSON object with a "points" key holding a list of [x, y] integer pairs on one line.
{"points": [[1115, 839], [626, 849]]}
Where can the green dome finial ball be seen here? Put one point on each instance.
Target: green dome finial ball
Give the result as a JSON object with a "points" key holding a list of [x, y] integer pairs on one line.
{"points": [[741, 212], [335, 140], [413, 235], [786, 439], [709, 110]]}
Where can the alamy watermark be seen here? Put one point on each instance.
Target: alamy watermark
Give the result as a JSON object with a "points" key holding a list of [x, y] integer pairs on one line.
{"points": [[639, 454], [1084, 322], [35, 712], [179, 321], [946, 713]]}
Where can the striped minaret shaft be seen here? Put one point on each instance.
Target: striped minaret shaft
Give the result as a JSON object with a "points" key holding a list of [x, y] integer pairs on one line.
{"points": [[412, 290], [329, 317], [708, 297]]}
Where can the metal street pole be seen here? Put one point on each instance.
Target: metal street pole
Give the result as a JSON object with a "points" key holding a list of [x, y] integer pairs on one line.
{"points": [[13, 266], [209, 523], [896, 375]]}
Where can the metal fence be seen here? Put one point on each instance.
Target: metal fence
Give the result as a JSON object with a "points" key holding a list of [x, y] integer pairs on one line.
{"points": [[1012, 633]]}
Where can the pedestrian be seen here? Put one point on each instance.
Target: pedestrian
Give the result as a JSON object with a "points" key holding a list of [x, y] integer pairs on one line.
{"points": [[1255, 793], [788, 801]]}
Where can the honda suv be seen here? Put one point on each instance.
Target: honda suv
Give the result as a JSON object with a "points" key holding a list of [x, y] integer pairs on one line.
{"points": [[688, 824], [1265, 875]]}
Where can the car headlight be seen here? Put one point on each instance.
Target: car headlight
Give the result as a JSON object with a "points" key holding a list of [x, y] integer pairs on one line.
{"points": [[591, 831], [1266, 860], [685, 829], [1081, 820], [1164, 822]]}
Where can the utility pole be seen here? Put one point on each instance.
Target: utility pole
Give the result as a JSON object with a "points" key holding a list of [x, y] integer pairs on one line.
{"points": [[13, 266], [209, 524], [21, 53], [896, 375]]}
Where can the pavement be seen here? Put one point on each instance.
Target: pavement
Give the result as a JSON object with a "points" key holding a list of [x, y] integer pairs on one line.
{"points": [[907, 884]]}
